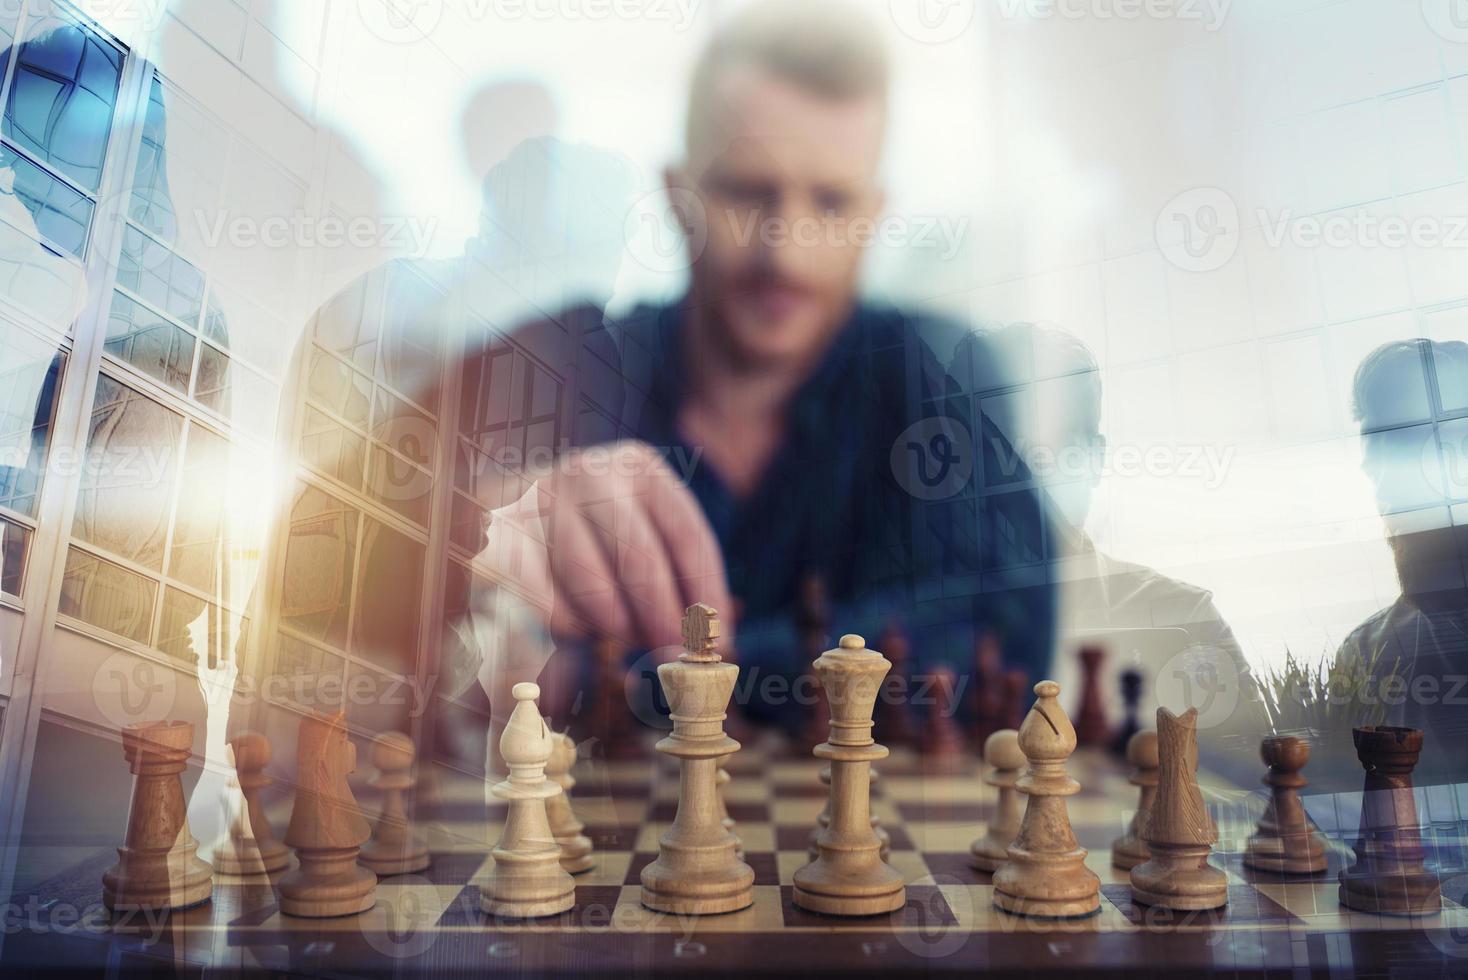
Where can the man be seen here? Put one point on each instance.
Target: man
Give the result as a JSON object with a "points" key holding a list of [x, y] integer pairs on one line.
{"points": [[1417, 648], [1144, 621], [760, 411]]}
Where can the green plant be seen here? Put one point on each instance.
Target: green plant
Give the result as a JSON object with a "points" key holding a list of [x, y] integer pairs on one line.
{"points": [[1327, 696]]}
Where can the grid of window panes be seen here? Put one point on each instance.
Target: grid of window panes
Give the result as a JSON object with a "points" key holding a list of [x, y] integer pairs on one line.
{"points": [[356, 551], [1417, 443]]}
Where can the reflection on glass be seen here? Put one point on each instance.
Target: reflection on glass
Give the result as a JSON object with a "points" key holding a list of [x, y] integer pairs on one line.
{"points": [[399, 485], [30, 372], [107, 596], [386, 627], [14, 547], [62, 215], [152, 205], [305, 675], [199, 544], [149, 343], [127, 482], [63, 95], [339, 389], [192, 628], [319, 558], [166, 280], [333, 450]]}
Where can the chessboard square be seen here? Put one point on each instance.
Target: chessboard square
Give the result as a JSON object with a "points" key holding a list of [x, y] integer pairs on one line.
{"points": [[954, 869], [793, 836], [742, 813], [631, 916], [797, 812], [1317, 904], [953, 838], [943, 811], [444, 837], [766, 867], [455, 867], [611, 811], [1246, 906], [610, 869], [756, 837], [649, 836], [911, 866], [787, 862], [934, 790], [926, 908], [612, 837]]}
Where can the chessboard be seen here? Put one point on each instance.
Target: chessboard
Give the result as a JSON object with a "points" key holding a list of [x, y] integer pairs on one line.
{"points": [[429, 923]]}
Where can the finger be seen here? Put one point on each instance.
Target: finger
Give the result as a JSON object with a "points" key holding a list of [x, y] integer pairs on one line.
{"points": [[646, 573], [587, 600]]}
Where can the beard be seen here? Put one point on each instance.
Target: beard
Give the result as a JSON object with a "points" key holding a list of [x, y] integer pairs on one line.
{"points": [[1431, 565]]}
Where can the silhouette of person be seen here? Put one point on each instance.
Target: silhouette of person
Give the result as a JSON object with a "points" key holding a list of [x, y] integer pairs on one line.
{"points": [[1417, 647]]}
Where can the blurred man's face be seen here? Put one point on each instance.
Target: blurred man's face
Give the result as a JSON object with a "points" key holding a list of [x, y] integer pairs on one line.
{"points": [[787, 183]]}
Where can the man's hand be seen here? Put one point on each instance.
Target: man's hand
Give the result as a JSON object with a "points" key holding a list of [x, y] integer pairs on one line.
{"points": [[611, 543]]}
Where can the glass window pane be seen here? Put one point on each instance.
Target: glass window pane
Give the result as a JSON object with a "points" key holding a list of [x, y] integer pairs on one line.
{"points": [[63, 95], [332, 449], [319, 557], [404, 428], [386, 628], [14, 544], [35, 276], [400, 486], [199, 547], [244, 397], [306, 676], [150, 343], [128, 477], [62, 215], [152, 206], [1404, 468], [164, 279], [339, 389], [108, 596], [192, 629], [29, 375], [9, 17]]}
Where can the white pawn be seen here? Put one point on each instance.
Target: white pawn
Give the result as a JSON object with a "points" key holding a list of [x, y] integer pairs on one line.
{"points": [[576, 847], [249, 846], [528, 881], [395, 848]]}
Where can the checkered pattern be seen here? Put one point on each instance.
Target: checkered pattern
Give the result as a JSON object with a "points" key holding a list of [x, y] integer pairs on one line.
{"points": [[774, 799]]}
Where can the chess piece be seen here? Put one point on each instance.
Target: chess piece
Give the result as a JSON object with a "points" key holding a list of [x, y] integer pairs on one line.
{"points": [[823, 820], [621, 733], [1388, 876], [527, 881], [158, 866], [1286, 841], [848, 876], [1131, 682], [249, 845], [395, 848], [1179, 831], [893, 720], [1016, 683], [1005, 760], [1130, 849], [697, 871], [989, 687], [576, 847], [727, 822], [327, 828], [1091, 727], [943, 748], [1046, 875]]}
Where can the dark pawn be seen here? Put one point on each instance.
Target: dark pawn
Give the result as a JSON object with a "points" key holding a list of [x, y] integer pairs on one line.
{"points": [[1388, 876], [1091, 727], [1016, 700], [943, 746], [990, 688], [1285, 842], [1131, 696], [893, 722]]}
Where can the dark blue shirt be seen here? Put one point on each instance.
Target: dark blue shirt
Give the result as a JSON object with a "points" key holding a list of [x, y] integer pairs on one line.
{"points": [[836, 503]]}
